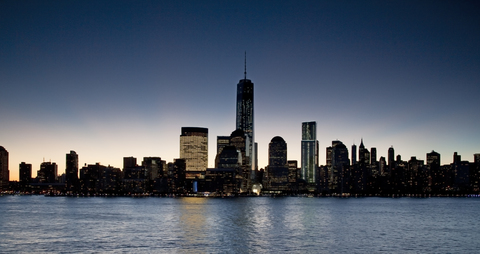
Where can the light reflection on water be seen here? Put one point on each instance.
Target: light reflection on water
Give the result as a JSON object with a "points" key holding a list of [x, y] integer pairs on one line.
{"points": [[238, 225]]}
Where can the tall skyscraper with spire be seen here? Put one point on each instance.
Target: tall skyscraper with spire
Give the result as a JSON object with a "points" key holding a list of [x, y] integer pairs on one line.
{"points": [[245, 113]]}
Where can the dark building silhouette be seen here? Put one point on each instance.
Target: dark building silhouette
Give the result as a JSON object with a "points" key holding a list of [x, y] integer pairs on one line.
{"points": [[4, 172], [391, 159], [129, 162], [245, 119], [293, 174], [363, 154], [71, 172], [277, 165], [354, 154], [338, 171], [96, 178], [47, 172], [239, 140], [154, 167], [177, 176], [25, 175], [309, 154]]}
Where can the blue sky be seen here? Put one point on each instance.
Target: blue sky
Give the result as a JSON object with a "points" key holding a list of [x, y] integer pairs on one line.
{"points": [[110, 79]]}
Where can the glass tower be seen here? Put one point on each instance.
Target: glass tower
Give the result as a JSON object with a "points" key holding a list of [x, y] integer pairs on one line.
{"points": [[309, 152]]}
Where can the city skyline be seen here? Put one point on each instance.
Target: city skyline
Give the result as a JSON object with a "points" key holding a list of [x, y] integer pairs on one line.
{"points": [[116, 79]]}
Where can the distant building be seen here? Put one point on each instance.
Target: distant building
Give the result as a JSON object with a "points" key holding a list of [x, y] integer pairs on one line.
{"points": [[239, 140], [309, 153], [194, 148], [363, 154], [391, 159], [25, 175], [293, 172], [4, 172], [373, 155], [277, 165], [222, 141], [154, 167], [47, 173], [129, 162], [354, 154], [96, 178], [245, 119], [338, 170], [71, 172]]}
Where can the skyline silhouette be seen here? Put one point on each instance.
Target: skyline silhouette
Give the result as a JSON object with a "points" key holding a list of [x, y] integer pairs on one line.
{"points": [[118, 78]]}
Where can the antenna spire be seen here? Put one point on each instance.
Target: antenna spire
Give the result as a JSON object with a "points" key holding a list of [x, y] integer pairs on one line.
{"points": [[245, 73]]}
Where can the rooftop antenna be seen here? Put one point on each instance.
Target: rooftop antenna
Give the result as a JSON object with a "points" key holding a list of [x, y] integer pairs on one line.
{"points": [[245, 73]]}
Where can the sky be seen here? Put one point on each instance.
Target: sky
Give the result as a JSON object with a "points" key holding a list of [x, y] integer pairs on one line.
{"points": [[113, 79]]}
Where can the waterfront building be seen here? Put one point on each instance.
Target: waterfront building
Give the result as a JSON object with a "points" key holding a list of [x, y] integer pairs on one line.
{"points": [[309, 154], [4, 172], [25, 175], [194, 148], [354, 154], [47, 172], [71, 171], [338, 169], [277, 165], [391, 159], [245, 120], [154, 167]]}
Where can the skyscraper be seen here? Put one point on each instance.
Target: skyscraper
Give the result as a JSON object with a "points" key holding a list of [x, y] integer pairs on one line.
{"points": [[47, 172], [245, 114], [194, 148], [4, 172], [354, 154], [277, 164], [309, 152], [391, 159], [25, 174], [71, 171]]}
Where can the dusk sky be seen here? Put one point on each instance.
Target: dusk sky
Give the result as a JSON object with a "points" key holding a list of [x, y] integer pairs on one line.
{"points": [[112, 79]]}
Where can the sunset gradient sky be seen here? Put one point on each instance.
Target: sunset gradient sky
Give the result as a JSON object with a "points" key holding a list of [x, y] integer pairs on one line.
{"points": [[111, 79]]}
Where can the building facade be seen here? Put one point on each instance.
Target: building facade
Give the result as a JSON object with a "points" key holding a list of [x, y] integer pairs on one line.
{"points": [[194, 148], [71, 171], [309, 153], [4, 172]]}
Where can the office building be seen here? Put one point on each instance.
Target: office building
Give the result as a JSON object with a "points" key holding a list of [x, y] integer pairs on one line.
{"points": [[194, 148], [244, 117], [25, 174], [277, 164], [4, 172], [71, 171], [309, 153]]}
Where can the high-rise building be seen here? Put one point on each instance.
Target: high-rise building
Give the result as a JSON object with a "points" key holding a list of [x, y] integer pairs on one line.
{"points": [[338, 175], [373, 155], [4, 172], [154, 167], [25, 174], [476, 158], [363, 154], [194, 148], [277, 164], [245, 120], [71, 171], [354, 154], [129, 162], [47, 172], [391, 159], [222, 141], [309, 152]]}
